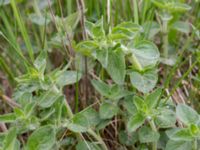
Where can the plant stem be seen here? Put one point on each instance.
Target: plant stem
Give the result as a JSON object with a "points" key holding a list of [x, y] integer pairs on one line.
{"points": [[165, 38], [98, 138], [136, 18], [153, 127], [195, 144], [23, 30], [90, 131], [135, 62]]}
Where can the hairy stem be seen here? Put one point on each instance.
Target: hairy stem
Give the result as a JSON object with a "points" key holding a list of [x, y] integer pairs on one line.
{"points": [[195, 144], [135, 62], [90, 131], [153, 127]]}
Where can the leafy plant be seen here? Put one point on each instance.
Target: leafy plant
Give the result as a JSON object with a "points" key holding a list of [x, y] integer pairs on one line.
{"points": [[99, 75]]}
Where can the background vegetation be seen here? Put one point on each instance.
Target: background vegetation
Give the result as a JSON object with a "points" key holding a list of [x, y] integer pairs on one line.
{"points": [[99, 74]]}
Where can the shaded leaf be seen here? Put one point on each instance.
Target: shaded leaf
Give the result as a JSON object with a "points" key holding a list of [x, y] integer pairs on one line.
{"points": [[101, 87], [108, 110], [147, 135], [128, 139]]}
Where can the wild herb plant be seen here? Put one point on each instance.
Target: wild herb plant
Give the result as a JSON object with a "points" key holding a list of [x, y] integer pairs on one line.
{"points": [[130, 100]]}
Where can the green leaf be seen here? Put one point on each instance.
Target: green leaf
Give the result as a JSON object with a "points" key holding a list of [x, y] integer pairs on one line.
{"points": [[42, 139], [117, 92], [172, 6], [8, 118], [125, 31], [139, 102], [128, 139], [151, 29], [39, 19], [76, 127], [101, 87], [102, 57], [146, 53], [152, 99], [10, 141], [87, 47], [187, 115], [108, 110], [116, 66], [178, 145], [48, 99], [135, 122], [67, 23], [144, 82], [166, 118], [96, 31], [84, 120], [71, 20], [129, 105], [85, 145], [182, 135], [181, 26], [147, 135], [178, 7], [92, 117], [194, 130], [68, 77], [40, 62]]}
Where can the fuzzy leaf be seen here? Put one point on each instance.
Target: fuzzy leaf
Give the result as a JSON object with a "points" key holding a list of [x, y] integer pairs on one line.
{"points": [[42, 139], [147, 135], [187, 114], [144, 82], [146, 53], [116, 66], [153, 98], [135, 122], [178, 145], [108, 110]]}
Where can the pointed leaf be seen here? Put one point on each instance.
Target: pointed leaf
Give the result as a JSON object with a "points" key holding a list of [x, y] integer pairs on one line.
{"points": [[116, 66], [144, 82], [108, 110], [187, 114], [139, 102], [101, 87], [135, 122], [42, 139], [178, 145], [153, 98], [7, 118]]}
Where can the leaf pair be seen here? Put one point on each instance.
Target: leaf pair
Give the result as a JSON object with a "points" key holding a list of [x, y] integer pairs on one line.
{"points": [[144, 109], [182, 138]]}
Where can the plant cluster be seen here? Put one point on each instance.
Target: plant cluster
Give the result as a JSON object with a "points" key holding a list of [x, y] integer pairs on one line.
{"points": [[120, 75]]}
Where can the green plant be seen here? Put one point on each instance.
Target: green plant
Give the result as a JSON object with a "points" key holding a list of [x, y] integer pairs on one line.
{"points": [[107, 89]]}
